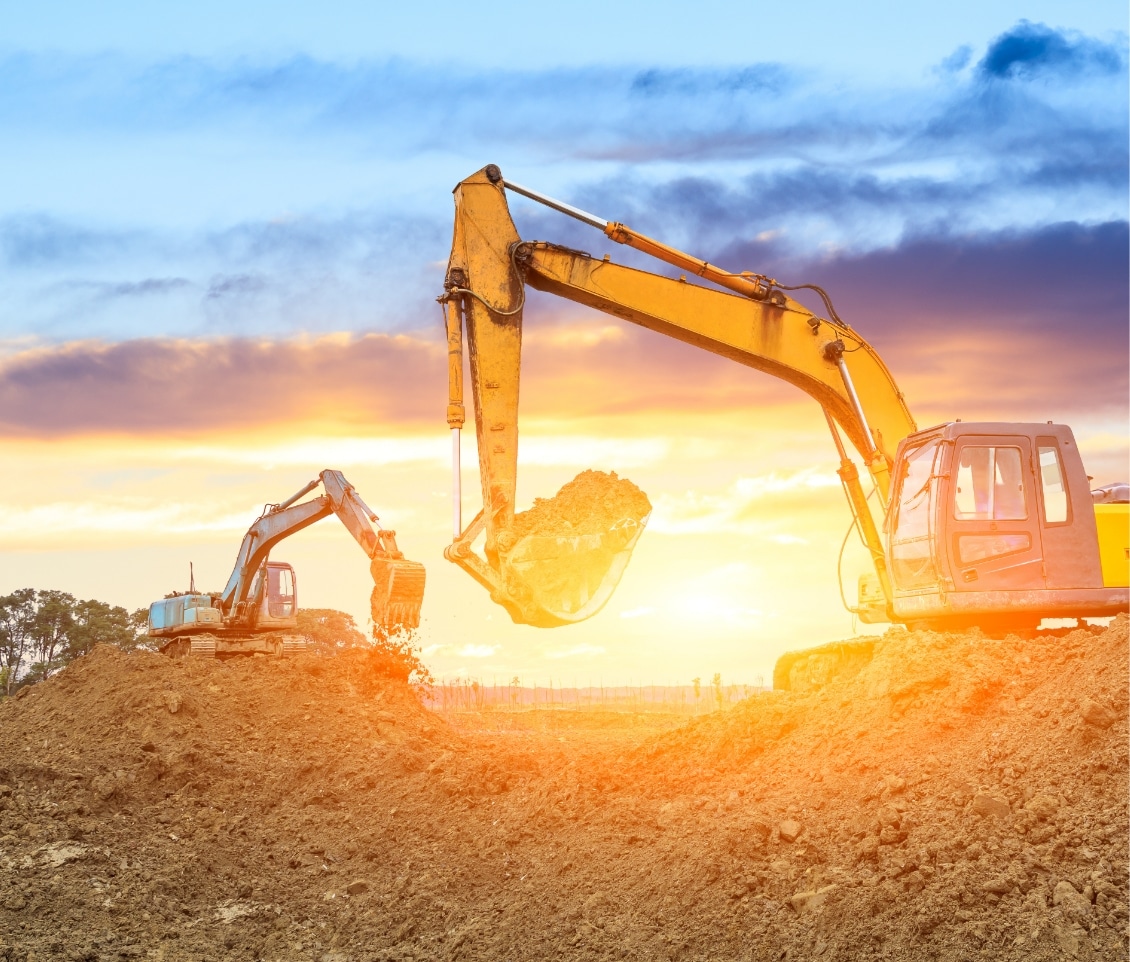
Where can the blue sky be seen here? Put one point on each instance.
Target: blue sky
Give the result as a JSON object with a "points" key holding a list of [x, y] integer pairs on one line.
{"points": [[198, 171]]}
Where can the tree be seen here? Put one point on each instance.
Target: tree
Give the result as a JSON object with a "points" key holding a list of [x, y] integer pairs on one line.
{"points": [[391, 655], [43, 631], [97, 623], [51, 628], [17, 621], [327, 631]]}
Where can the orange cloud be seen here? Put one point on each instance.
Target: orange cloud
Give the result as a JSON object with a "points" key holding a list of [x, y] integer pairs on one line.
{"points": [[579, 370]]}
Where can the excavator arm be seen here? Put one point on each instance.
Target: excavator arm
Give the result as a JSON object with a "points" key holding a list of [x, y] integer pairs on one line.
{"points": [[752, 321], [398, 584]]}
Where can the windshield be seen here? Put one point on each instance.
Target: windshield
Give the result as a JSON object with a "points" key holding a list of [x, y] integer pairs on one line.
{"points": [[912, 543]]}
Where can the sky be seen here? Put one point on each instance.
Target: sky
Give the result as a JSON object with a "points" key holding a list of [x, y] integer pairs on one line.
{"points": [[223, 227]]}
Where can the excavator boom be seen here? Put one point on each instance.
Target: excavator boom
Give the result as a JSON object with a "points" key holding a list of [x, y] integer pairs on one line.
{"points": [[752, 321]]}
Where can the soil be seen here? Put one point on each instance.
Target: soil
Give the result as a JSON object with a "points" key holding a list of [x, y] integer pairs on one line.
{"points": [[955, 798], [592, 503]]}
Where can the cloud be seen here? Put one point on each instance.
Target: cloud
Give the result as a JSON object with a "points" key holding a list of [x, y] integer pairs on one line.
{"points": [[751, 505], [234, 285], [35, 240], [1028, 325], [1031, 49], [477, 651], [347, 168], [172, 386]]}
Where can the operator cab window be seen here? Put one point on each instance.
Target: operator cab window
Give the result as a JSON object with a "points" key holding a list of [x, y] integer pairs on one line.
{"points": [[280, 592], [990, 484], [1053, 486]]}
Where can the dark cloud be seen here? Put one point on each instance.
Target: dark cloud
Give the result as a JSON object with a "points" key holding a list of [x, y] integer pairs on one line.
{"points": [[1023, 326], [149, 287], [763, 78], [167, 386], [235, 285], [1038, 322], [38, 240], [1032, 49], [1061, 279]]}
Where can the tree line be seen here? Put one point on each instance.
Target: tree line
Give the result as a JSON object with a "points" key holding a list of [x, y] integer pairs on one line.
{"points": [[43, 631]]}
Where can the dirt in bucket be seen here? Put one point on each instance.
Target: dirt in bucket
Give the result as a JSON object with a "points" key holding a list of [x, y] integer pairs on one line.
{"points": [[592, 503]]}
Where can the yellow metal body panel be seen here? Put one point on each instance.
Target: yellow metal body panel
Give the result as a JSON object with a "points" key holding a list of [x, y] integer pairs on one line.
{"points": [[783, 339], [1113, 522]]}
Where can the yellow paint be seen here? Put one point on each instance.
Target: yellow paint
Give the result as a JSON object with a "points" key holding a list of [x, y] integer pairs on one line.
{"points": [[1113, 521]]}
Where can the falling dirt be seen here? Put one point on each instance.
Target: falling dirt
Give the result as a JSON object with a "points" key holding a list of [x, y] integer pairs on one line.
{"points": [[592, 503], [955, 798]]}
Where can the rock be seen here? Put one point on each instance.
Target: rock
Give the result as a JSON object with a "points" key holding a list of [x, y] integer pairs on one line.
{"points": [[915, 882], [812, 900], [893, 784], [888, 815], [790, 830], [1095, 714], [905, 867], [987, 805], [1042, 807], [14, 901], [1041, 834], [868, 848], [761, 827], [358, 887], [1069, 900], [998, 886], [929, 918], [60, 853], [172, 701], [890, 835]]}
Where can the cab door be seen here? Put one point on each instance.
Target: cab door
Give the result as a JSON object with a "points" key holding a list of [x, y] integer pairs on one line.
{"points": [[991, 515]]}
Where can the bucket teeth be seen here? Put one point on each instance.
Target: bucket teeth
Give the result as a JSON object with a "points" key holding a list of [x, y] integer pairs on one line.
{"points": [[398, 593]]}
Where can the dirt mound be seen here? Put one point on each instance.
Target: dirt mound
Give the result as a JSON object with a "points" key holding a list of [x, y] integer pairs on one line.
{"points": [[956, 797], [591, 503], [953, 794]]}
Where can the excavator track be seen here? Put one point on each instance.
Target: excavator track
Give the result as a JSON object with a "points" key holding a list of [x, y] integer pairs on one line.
{"points": [[293, 645], [198, 646], [211, 646], [813, 668]]}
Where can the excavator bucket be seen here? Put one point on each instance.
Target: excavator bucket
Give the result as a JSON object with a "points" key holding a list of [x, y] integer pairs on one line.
{"points": [[559, 580], [559, 562], [398, 593]]}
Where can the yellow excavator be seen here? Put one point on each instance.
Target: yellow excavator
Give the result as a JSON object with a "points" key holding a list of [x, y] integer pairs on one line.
{"points": [[257, 612], [988, 524]]}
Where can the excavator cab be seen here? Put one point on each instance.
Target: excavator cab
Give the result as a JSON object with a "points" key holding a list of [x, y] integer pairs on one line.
{"points": [[994, 524], [276, 585]]}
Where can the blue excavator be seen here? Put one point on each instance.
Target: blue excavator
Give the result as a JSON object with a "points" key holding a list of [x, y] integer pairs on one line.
{"points": [[257, 612]]}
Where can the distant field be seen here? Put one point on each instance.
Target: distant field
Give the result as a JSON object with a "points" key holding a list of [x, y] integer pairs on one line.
{"points": [[682, 700]]}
